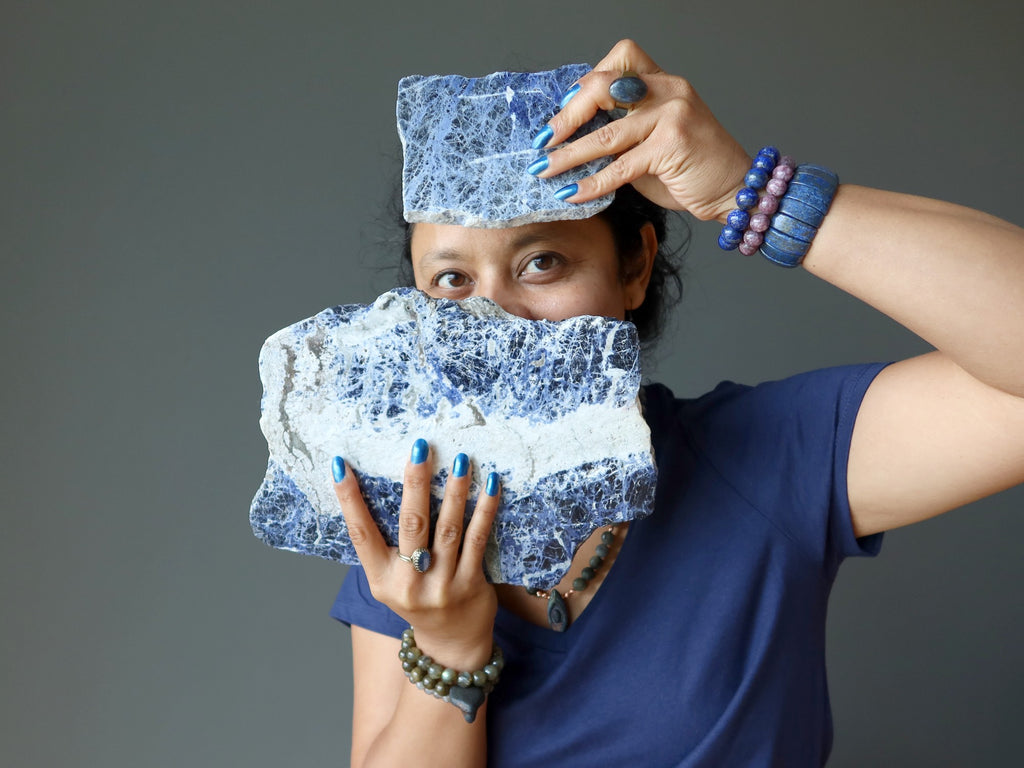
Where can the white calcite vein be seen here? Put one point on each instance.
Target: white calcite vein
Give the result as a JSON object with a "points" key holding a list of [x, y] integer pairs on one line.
{"points": [[552, 407]]}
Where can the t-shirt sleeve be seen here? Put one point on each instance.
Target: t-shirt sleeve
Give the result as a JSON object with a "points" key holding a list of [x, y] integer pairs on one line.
{"points": [[355, 605], [784, 446]]}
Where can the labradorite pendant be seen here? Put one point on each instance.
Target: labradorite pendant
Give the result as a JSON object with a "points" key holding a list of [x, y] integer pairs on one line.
{"points": [[558, 614]]}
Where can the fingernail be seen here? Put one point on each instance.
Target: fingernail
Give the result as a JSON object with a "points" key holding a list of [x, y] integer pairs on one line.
{"points": [[420, 449], [338, 469], [541, 139], [461, 465], [567, 191], [492, 484], [537, 166], [568, 95]]}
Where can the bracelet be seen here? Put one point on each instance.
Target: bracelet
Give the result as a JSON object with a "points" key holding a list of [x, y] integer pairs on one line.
{"points": [[465, 690], [761, 170], [801, 211]]}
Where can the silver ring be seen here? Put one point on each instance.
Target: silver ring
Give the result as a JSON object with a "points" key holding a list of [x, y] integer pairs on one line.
{"points": [[420, 559]]}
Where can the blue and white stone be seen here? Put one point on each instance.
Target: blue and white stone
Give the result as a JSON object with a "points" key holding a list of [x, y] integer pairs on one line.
{"points": [[468, 141], [553, 407]]}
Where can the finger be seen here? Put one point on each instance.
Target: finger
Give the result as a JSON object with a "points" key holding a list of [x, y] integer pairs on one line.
{"points": [[414, 513], [592, 96], [448, 529], [609, 140], [474, 543], [627, 55], [370, 546]]}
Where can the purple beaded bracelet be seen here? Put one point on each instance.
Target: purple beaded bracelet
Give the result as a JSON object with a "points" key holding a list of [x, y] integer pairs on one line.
{"points": [[768, 205]]}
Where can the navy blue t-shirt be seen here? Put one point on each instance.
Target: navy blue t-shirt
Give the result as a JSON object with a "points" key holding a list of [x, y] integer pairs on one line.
{"points": [[705, 645]]}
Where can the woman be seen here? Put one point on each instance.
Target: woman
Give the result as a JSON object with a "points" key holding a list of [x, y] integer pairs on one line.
{"points": [[699, 637]]}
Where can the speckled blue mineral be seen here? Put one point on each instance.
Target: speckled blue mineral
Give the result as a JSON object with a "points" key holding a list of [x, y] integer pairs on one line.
{"points": [[467, 144], [552, 407]]}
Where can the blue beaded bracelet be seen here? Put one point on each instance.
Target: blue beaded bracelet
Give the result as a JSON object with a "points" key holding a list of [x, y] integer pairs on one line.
{"points": [[760, 172], [801, 211]]}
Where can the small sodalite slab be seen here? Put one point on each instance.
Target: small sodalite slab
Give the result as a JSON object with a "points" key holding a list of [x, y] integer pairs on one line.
{"points": [[468, 141], [553, 407]]}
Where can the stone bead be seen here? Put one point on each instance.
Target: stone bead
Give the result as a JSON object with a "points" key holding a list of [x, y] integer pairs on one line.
{"points": [[756, 178], [731, 235], [424, 662], [747, 250], [771, 152], [464, 680], [413, 654], [428, 682], [441, 688], [479, 678], [787, 160], [596, 561], [764, 162], [602, 550], [579, 584], [493, 672], [449, 675], [588, 573], [608, 538], [434, 671], [783, 172], [408, 665], [753, 239], [746, 198], [760, 222], [769, 204], [738, 219], [776, 187], [795, 228], [415, 674]]}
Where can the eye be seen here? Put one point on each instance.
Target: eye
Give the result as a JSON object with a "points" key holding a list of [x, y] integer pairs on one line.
{"points": [[541, 263], [450, 280]]}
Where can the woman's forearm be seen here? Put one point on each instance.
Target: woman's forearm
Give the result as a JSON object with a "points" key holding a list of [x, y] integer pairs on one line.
{"points": [[952, 275]]}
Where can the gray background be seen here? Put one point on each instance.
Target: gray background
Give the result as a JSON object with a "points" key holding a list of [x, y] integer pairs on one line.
{"points": [[181, 179]]}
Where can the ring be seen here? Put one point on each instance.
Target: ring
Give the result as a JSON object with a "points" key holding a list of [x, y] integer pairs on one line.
{"points": [[628, 90], [420, 559]]}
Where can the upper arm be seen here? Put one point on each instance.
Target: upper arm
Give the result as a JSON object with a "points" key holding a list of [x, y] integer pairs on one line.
{"points": [[929, 438], [377, 683]]}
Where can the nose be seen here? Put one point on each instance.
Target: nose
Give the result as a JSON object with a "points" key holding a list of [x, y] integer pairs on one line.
{"points": [[508, 297]]}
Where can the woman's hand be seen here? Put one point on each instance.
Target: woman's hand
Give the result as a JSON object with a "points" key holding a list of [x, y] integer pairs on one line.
{"points": [[670, 147], [451, 604]]}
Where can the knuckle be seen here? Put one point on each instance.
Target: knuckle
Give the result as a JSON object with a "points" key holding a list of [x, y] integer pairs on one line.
{"points": [[476, 539], [447, 534], [358, 535], [605, 137], [416, 482], [412, 524]]}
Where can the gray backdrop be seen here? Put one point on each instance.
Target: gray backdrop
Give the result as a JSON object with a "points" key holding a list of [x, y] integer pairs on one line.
{"points": [[180, 179]]}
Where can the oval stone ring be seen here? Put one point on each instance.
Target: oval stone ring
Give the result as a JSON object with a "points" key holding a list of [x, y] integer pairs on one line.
{"points": [[628, 90], [420, 559]]}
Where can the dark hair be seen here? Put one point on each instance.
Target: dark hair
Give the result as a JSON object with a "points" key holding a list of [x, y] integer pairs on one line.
{"points": [[626, 216]]}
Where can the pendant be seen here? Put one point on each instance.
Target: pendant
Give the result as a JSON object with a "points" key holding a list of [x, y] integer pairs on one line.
{"points": [[558, 614]]}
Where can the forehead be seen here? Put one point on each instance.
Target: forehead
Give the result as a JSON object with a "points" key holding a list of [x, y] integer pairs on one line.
{"points": [[441, 240]]}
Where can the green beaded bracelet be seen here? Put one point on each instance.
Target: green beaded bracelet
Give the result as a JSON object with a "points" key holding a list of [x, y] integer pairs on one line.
{"points": [[465, 690]]}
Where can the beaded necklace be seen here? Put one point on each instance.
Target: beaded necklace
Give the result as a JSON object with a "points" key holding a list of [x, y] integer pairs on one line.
{"points": [[558, 614]]}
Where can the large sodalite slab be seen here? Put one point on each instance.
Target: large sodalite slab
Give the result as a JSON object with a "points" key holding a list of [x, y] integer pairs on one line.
{"points": [[467, 143], [552, 407]]}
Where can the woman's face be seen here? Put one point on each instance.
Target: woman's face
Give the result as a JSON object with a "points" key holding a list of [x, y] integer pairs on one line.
{"points": [[547, 271]]}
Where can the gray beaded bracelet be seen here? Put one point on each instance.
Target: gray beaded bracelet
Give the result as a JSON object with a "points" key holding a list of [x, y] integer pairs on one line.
{"points": [[465, 690]]}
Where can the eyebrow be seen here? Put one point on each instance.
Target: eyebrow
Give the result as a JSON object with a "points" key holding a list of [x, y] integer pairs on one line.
{"points": [[453, 255]]}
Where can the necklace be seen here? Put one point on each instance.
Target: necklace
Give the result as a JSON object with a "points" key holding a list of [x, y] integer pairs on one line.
{"points": [[558, 614]]}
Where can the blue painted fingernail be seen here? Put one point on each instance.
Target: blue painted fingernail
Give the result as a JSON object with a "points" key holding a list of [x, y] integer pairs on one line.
{"points": [[537, 166], [567, 191], [461, 465], [568, 95], [541, 139], [492, 484], [338, 469], [420, 449]]}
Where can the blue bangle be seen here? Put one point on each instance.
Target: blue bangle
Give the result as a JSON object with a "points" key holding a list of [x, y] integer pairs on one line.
{"points": [[801, 211]]}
